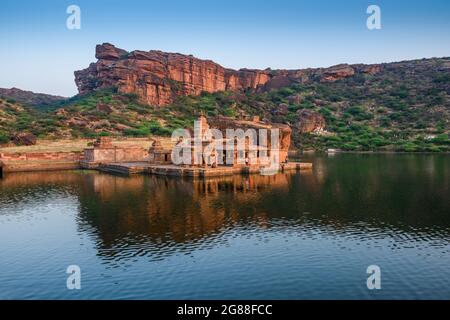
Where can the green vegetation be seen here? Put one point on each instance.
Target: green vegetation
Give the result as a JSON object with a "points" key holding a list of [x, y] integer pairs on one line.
{"points": [[4, 138], [405, 107]]}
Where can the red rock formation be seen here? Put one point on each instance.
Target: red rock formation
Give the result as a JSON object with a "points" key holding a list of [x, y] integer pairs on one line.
{"points": [[158, 78], [373, 69], [337, 72], [309, 121]]}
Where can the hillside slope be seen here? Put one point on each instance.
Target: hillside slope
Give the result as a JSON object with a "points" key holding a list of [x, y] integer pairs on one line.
{"points": [[15, 118], [31, 98], [403, 106]]}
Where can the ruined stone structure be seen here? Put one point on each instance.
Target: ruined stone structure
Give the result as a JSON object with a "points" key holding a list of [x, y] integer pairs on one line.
{"points": [[226, 149], [159, 155], [227, 155], [103, 151], [36, 161]]}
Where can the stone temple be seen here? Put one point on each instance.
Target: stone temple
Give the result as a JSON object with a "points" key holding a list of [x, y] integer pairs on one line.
{"points": [[203, 154], [208, 151]]}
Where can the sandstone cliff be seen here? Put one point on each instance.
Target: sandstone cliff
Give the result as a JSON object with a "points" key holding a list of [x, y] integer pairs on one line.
{"points": [[158, 78]]}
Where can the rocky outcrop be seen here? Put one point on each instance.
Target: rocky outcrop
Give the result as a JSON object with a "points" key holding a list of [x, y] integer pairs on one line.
{"points": [[374, 69], [158, 78], [107, 51], [337, 72], [309, 121]]}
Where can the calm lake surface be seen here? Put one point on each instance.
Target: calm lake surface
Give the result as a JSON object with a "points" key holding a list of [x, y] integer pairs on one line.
{"points": [[308, 235]]}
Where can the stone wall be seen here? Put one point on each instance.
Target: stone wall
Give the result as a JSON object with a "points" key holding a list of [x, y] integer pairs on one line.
{"points": [[42, 161], [41, 156], [36, 161], [103, 155]]}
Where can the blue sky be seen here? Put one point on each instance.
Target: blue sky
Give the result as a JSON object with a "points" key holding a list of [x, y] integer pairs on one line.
{"points": [[40, 54]]}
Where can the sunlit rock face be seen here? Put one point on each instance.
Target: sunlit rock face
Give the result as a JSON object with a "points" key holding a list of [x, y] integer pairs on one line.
{"points": [[309, 121], [337, 72], [158, 78]]}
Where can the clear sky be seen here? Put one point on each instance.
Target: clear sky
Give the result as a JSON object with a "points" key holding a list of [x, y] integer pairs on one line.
{"points": [[39, 53]]}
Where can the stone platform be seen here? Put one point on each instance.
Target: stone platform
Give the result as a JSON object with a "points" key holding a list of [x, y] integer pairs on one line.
{"points": [[180, 171]]}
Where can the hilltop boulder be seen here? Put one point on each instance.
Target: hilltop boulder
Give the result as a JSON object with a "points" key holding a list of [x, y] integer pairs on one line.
{"points": [[337, 73]]}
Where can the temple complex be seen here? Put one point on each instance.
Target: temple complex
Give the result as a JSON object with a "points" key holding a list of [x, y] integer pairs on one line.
{"points": [[254, 146], [205, 155], [209, 151]]}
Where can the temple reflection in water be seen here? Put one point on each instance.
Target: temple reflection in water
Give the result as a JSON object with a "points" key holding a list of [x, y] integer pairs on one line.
{"points": [[148, 212]]}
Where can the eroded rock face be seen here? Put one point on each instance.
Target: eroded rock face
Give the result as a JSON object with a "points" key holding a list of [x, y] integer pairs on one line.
{"points": [[158, 78], [337, 72], [107, 51], [374, 69], [309, 121]]}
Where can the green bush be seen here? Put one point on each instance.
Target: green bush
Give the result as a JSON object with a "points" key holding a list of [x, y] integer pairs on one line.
{"points": [[442, 139], [358, 113], [444, 78], [4, 138]]}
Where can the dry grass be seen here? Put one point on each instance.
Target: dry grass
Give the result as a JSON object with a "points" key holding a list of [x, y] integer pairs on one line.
{"points": [[80, 144]]}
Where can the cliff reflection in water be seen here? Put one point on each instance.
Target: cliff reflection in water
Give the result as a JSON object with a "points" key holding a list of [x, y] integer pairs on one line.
{"points": [[184, 213], [355, 196]]}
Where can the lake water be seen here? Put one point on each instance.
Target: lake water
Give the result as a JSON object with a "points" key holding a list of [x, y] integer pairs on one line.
{"points": [[308, 235]]}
